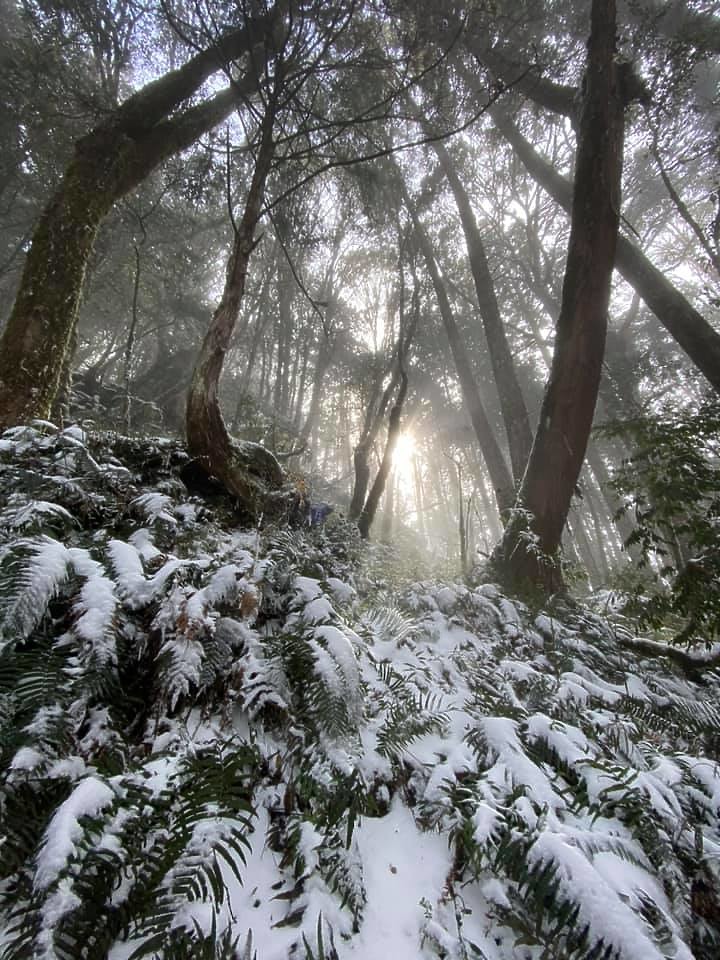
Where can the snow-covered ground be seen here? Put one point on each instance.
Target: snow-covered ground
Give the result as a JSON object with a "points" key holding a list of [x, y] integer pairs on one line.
{"points": [[244, 742]]}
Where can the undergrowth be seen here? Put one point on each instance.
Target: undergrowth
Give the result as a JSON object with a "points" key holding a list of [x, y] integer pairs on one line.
{"points": [[199, 726]]}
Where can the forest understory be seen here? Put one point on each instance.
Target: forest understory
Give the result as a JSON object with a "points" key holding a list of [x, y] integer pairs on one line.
{"points": [[284, 741], [359, 479]]}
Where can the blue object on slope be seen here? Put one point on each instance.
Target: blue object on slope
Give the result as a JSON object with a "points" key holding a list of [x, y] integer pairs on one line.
{"points": [[319, 512]]}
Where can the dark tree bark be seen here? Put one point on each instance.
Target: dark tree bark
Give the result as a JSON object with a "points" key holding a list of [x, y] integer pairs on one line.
{"points": [[361, 453], [247, 471], [130, 343], [686, 326], [367, 515], [361, 467], [500, 476], [512, 404], [109, 162], [607, 399], [528, 551]]}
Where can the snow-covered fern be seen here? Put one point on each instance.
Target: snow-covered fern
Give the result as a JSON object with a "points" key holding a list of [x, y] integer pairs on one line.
{"points": [[218, 742]]}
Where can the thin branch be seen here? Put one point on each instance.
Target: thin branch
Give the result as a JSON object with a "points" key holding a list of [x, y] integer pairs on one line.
{"points": [[385, 151], [677, 200], [692, 659], [228, 186]]}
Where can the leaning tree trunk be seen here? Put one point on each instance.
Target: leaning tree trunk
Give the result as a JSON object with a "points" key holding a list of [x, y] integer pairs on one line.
{"points": [[492, 454], [529, 549], [512, 404], [367, 515], [690, 330], [247, 471], [108, 162]]}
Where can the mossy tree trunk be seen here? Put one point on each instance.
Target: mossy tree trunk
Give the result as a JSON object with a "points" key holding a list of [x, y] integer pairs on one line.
{"points": [[247, 471], [528, 552], [108, 162]]}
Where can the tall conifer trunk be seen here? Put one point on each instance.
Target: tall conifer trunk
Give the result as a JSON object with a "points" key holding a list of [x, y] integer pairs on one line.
{"points": [[367, 515], [529, 548], [108, 162]]}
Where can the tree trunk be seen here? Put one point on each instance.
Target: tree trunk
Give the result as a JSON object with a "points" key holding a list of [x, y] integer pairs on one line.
{"points": [[686, 326], [283, 337], [130, 344], [300, 399], [292, 387], [361, 465], [109, 162], [512, 404], [462, 522], [492, 454], [419, 501], [388, 521], [345, 432], [367, 515], [374, 418], [528, 551], [326, 352], [247, 471], [361, 453]]}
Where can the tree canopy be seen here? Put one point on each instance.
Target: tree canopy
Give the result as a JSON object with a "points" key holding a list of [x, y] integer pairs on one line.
{"points": [[385, 188], [359, 489]]}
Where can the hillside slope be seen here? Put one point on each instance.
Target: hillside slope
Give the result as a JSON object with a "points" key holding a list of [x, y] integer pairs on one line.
{"points": [[234, 743]]}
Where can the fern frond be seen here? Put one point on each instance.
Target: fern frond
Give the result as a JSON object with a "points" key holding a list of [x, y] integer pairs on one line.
{"points": [[386, 625], [209, 826], [407, 720], [34, 516], [32, 573]]}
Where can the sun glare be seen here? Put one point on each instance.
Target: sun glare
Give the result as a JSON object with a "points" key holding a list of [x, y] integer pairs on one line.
{"points": [[404, 450]]}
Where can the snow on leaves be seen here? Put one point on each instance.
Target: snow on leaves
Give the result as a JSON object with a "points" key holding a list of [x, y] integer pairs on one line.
{"points": [[281, 759]]}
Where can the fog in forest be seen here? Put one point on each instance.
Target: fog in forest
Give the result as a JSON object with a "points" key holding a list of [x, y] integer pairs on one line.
{"points": [[398, 179], [359, 479]]}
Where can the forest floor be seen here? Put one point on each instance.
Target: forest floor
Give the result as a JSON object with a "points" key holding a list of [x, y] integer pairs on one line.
{"points": [[226, 743]]}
